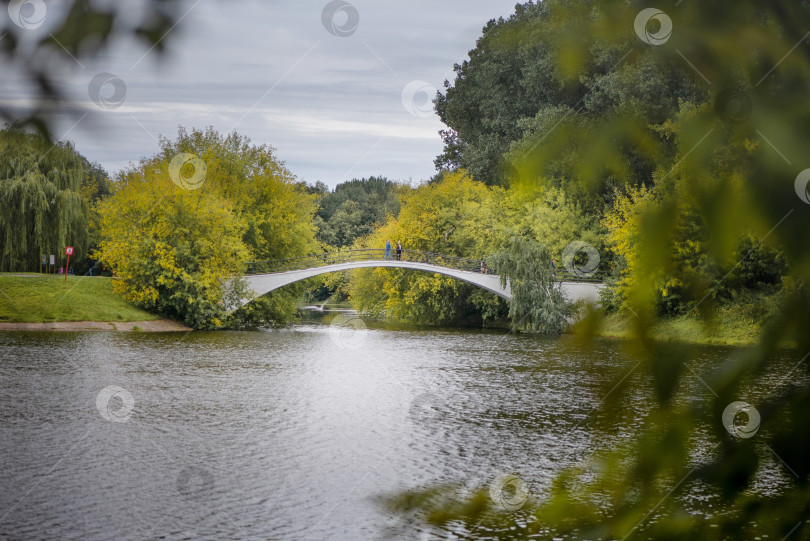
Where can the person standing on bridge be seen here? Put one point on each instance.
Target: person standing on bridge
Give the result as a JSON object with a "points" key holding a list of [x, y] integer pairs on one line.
{"points": [[399, 250], [387, 249]]}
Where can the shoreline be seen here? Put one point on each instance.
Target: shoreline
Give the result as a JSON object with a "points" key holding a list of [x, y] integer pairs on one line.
{"points": [[157, 325], [615, 328]]}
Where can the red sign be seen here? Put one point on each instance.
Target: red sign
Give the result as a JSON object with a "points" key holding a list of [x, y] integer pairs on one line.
{"points": [[69, 250]]}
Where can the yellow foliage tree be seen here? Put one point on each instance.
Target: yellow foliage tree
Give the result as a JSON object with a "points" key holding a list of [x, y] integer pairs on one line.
{"points": [[456, 216], [197, 226], [462, 217], [555, 219], [174, 251]]}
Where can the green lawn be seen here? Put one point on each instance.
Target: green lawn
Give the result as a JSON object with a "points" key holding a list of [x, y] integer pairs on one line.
{"points": [[731, 326], [38, 298]]}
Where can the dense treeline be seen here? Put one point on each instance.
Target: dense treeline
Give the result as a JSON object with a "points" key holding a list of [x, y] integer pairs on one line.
{"points": [[586, 145], [175, 233], [347, 213], [457, 217], [354, 208]]}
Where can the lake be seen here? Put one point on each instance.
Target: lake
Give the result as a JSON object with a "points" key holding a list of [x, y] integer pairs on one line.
{"points": [[298, 433]]}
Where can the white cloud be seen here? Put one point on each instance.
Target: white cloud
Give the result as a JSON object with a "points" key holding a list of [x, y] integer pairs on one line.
{"points": [[312, 123]]}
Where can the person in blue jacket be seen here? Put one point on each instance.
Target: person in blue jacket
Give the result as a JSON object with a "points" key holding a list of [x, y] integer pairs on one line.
{"points": [[387, 249]]}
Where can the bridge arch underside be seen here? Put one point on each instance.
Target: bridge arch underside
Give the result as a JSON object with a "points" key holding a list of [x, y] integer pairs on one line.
{"points": [[265, 283]]}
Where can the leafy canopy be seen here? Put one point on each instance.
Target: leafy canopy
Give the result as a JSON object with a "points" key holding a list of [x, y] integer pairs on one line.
{"points": [[537, 301], [45, 196], [455, 216], [354, 208], [178, 251]]}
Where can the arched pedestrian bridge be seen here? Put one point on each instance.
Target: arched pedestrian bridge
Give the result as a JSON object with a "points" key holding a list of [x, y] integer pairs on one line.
{"points": [[265, 276]]}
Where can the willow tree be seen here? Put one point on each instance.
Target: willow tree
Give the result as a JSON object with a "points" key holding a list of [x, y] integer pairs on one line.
{"points": [[537, 301], [42, 206]]}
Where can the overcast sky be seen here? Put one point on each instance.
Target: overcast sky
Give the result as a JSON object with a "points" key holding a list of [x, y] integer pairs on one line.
{"points": [[335, 107]]}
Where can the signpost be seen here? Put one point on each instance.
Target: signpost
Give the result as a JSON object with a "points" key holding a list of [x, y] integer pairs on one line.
{"points": [[68, 252]]}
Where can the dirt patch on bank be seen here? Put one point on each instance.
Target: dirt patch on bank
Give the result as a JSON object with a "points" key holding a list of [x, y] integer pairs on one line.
{"points": [[158, 325]]}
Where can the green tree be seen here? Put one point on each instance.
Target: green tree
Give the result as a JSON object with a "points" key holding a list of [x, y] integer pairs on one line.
{"points": [[276, 208], [523, 78], [349, 212], [355, 208], [552, 216]]}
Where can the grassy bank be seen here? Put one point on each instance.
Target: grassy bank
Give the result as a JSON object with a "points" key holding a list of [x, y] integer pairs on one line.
{"points": [[732, 325], [36, 298]]}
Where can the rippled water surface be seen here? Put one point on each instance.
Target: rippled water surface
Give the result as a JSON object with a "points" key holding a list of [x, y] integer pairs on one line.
{"points": [[291, 434]]}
